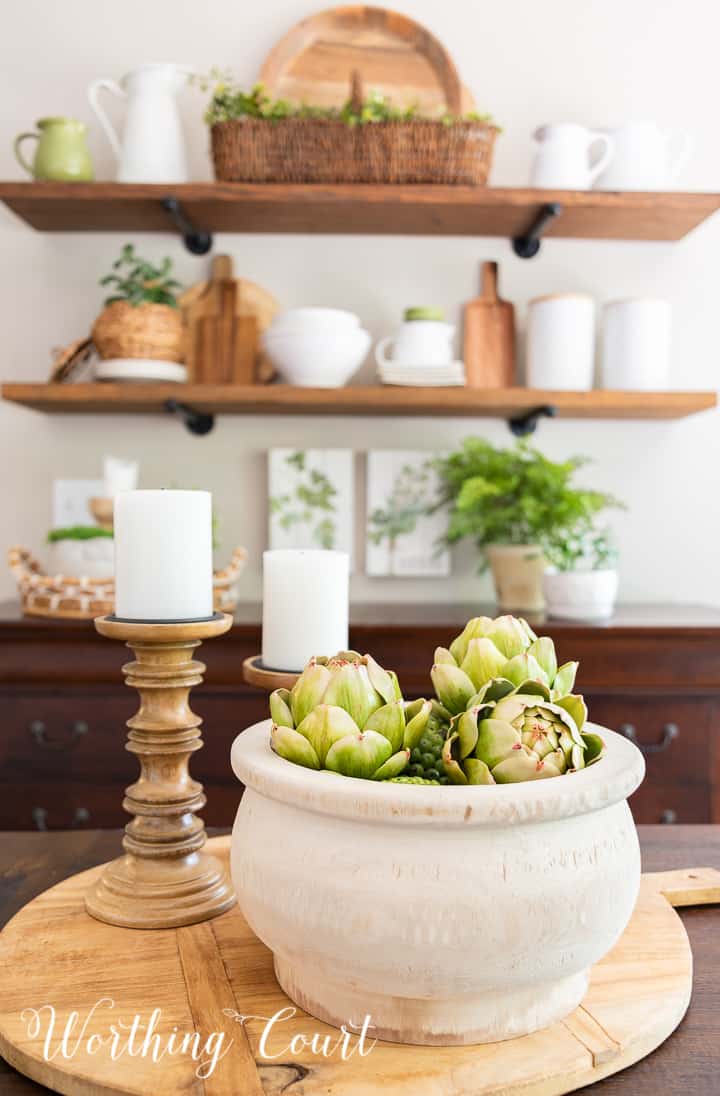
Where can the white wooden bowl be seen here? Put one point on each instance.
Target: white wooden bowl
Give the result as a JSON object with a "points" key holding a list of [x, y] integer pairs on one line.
{"points": [[449, 915]]}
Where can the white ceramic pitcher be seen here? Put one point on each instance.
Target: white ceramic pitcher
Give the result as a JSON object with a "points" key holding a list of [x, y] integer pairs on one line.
{"points": [[646, 158], [152, 149], [563, 161]]}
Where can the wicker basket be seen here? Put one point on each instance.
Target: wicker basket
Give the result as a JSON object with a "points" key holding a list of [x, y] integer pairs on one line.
{"points": [[86, 598], [145, 330], [324, 150]]}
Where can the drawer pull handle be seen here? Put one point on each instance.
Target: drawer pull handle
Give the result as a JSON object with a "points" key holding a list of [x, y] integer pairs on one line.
{"points": [[81, 817], [668, 817], [38, 730], [669, 733]]}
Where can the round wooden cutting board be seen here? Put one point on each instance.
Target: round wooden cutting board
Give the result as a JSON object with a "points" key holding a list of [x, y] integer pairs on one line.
{"points": [[56, 960]]}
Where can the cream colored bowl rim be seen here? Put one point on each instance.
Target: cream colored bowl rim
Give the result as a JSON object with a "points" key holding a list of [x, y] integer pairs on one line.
{"points": [[609, 781]]}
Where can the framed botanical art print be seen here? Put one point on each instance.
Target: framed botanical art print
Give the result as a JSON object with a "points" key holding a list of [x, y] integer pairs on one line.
{"points": [[311, 498], [403, 538]]}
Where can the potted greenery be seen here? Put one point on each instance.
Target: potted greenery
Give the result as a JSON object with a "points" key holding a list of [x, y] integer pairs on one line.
{"points": [[141, 318], [81, 550], [581, 580], [516, 504]]}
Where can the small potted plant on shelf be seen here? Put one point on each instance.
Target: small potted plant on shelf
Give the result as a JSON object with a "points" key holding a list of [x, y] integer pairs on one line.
{"points": [[514, 503], [141, 318], [581, 580], [451, 867]]}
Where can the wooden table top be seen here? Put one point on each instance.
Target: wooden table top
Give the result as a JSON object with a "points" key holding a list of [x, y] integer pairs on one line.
{"points": [[688, 1063]]}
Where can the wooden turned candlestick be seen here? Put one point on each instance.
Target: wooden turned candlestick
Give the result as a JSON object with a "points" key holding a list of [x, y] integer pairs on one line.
{"points": [[164, 880]]}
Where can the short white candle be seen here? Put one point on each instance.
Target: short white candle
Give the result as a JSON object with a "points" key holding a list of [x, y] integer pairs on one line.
{"points": [[163, 555], [305, 606], [119, 475]]}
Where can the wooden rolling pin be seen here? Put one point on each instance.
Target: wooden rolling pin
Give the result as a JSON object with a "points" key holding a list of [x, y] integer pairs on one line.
{"points": [[489, 336]]}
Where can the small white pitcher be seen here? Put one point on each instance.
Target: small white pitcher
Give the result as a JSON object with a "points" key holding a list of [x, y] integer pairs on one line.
{"points": [[152, 149], [562, 160], [418, 342]]}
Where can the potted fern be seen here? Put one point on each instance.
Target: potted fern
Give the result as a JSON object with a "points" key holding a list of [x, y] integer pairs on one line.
{"points": [[519, 507], [141, 318]]}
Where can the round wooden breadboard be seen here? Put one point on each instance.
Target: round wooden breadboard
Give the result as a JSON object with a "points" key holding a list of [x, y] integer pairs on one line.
{"points": [[53, 956]]}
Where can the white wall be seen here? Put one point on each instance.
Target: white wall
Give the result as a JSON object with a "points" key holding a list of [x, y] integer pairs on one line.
{"points": [[598, 62]]}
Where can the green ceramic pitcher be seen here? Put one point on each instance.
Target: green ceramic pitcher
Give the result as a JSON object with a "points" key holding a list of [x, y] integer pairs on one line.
{"points": [[61, 154]]}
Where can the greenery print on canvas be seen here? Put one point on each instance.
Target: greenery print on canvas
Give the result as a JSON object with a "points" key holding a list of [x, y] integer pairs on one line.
{"points": [[310, 498], [403, 526]]}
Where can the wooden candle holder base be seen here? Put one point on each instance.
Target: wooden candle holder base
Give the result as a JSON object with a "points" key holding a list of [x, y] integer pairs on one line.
{"points": [[164, 880], [255, 673]]}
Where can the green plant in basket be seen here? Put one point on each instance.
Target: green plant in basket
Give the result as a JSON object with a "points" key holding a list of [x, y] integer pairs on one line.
{"points": [[346, 714], [139, 281], [78, 532]]}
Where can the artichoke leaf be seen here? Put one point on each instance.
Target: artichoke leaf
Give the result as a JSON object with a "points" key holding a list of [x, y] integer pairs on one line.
{"points": [[496, 740], [280, 708], [466, 731], [509, 636], [293, 747], [483, 661], [477, 772], [443, 655], [415, 729], [453, 687], [324, 726], [523, 667], [594, 747], [389, 721], [564, 679], [523, 765], [575, 705], [393, 766], [453, 771], [360, 754], [309, 690], [380, 679], [543, 651], [350, 688]]}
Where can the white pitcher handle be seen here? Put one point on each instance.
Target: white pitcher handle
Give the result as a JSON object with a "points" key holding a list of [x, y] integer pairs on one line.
{"points": [[684, 152], [380, 356], [93, 90], [605, 157]]}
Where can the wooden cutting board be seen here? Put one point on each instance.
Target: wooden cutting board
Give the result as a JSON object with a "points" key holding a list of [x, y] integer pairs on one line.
{"points": [[224, 319], [489, 335], [53, 953], [392, 54]]}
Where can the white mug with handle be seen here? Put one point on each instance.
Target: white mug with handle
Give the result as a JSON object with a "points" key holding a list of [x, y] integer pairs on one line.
{"points": [[563, 158], [645, 158]]}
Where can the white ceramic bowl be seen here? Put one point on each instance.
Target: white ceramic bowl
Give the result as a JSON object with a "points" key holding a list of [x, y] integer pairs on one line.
{"points": [[580, 595], [319, 360], [450, 915], [315, 319]]}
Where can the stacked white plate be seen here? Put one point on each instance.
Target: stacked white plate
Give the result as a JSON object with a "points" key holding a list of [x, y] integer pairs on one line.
{"points": [[451, 374]]}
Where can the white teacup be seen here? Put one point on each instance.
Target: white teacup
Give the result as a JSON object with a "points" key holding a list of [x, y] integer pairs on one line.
{"points": [[418, 342]]}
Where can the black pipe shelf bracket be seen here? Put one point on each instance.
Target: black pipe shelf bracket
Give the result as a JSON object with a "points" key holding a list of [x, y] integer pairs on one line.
{"points": [[196, 241], [523, 425], [528, 245], [197, 422]]}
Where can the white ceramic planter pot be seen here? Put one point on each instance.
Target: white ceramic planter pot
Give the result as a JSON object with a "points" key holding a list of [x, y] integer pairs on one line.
{"points": [[581, 595], [82, 558], [517, 571], [450, 915]]}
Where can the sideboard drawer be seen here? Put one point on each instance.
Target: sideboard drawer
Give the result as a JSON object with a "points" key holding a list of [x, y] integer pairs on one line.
{"points": [[676, 736]]}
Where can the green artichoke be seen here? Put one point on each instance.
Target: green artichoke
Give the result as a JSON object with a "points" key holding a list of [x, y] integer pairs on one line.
{"points": [[346, 714], [517, 738], [492, 658]]}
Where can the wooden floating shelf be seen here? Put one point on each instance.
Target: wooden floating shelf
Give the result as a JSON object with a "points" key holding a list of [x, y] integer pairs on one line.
{"points": [[357, 209], [282, 399]]}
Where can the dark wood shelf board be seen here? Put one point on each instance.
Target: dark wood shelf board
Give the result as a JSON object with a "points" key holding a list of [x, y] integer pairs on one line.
{"points": [[281, 399], [357, 209]]}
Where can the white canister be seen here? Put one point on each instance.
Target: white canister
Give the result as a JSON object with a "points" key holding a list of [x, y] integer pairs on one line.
{"points": [[561, 342], [636, 345]]}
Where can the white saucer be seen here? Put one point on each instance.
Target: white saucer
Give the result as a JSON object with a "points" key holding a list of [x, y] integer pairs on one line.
{"points": [[139, 370]]}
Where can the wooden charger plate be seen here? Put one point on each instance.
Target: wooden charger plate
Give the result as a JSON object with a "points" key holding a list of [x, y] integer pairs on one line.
{"points": [[52, 953]]}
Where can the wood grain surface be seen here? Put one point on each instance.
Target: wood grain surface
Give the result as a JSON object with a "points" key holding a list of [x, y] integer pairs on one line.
{"points": [[380, 400], [419, 210], [489, 335], [189, 982]]}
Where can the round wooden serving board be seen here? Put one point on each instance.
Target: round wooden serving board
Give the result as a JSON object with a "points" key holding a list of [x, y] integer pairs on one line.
{"points": [[53, 954]]}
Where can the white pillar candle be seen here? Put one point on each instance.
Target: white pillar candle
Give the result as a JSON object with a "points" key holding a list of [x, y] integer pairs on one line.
{"points": [[305, 606], [163, 555]]}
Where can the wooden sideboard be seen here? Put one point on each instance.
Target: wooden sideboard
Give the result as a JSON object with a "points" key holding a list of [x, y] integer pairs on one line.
{"points": [[652, 672]]}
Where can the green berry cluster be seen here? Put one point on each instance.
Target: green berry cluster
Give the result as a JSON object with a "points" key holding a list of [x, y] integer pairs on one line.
{"points": [[426, 758], [414, 780]]}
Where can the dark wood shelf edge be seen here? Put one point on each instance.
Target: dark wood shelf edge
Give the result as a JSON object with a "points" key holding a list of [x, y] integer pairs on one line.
{"points": [[357, 400]]}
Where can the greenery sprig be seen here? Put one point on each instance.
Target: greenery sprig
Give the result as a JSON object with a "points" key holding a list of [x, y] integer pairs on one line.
{"points": [[138, 281], [520, 496], [78, 532], [230, 102]]}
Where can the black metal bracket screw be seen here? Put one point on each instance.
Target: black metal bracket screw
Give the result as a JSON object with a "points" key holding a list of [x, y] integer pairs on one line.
{"points": [[523, 425], [528, 245], [198, 243], [197, 422]]}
